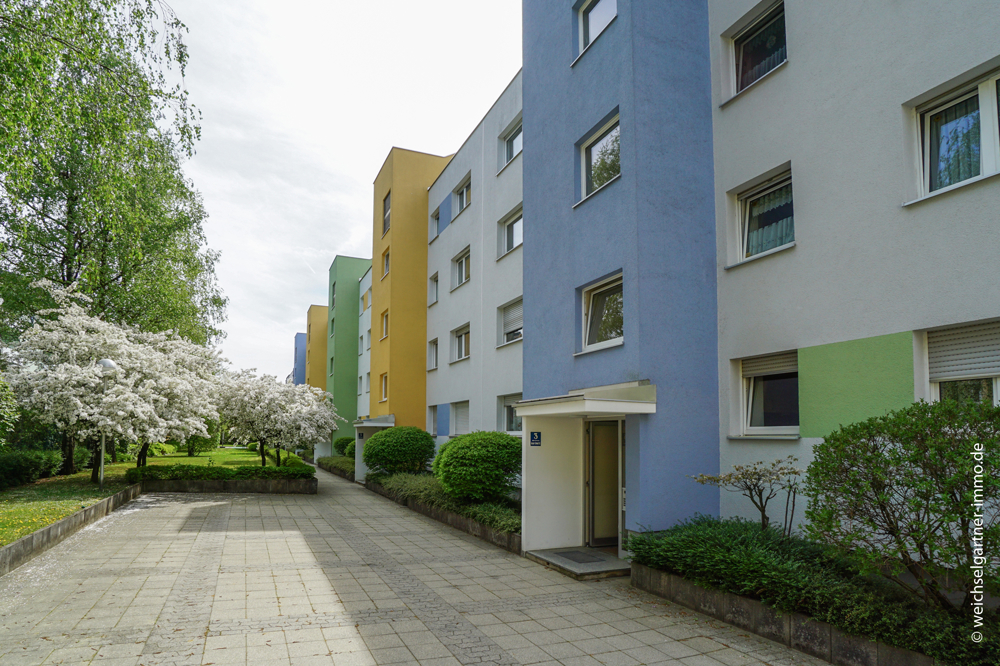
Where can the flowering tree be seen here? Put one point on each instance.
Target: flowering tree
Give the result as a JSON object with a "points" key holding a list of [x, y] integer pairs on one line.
{"points": [[275, 414]]}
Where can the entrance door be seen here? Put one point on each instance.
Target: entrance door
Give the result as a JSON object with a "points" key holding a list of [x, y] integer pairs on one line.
{"points": [[602, 486]]}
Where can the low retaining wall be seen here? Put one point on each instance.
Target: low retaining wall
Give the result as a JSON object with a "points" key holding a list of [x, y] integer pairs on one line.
{"points": [[506, 540], [21, 551], [336, 472], [798, 632], [273, 486]]}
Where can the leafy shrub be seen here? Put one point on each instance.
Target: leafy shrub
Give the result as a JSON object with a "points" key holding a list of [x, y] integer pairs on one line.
{"points": [[798, 576], [203, 472], [350, 451], [8, 412], [290, 459], [252, 446], [480, 466], [340, 444], [436, 465], [81, 456], [161, 449], [50, 462], [428, 490], [399, 449], [341, 463], [900, 490], [195, 444]]}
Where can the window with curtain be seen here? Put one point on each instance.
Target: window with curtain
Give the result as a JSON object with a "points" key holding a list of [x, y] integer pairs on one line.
{"points": [[604, 314], [386, 210], [768, 219], [513, 322], [761, 48], [954, 143]]}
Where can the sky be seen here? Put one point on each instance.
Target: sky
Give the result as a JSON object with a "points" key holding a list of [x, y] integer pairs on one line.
{"points": [[301, 101]]}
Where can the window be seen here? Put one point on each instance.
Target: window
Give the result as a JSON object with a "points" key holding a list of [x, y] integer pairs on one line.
{"points": [[436, 224], [432, 290], [463, 268], [361, 304], [513, 144], [509, 420], [513, 234], [359, 385], [432, 355], [464, 196], [432, 420], [361, 345], [384, 382], [368, 344], [964, 362], [462, 343], [333, 295], [960, 136], [461, 411], [331, 365], [760, 48], [386, 209], [768, 221], [332, 327], [385, 263], [603, 315], [368, 382], [512, 320], [385, 324], [595, 17], [601, 158], [771, 394]]}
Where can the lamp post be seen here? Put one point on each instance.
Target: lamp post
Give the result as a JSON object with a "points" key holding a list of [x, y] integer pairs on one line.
{"points": [[107, 366]]}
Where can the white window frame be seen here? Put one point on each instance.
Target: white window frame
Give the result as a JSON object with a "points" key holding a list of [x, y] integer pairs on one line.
{"points": [[368, 382], [508, 144], [766, 17], [749, 196], [332, 327], [386, 212], [462, 338], [463, 196], [588, 301], [384, 379], [360, 381], [463, 268], [433, 354], [385, 325], [433, 290], [987, 91], [605, 129], [519, 217], [502, 425], [501, 311], [432, 416], [936, 386], [435, 224], [385, 263], [369, 339], [361, 345], [746, 395]]}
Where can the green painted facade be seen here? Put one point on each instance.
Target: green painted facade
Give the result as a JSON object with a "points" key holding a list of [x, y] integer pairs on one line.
{"points": [[846, 382], [344, 295]]}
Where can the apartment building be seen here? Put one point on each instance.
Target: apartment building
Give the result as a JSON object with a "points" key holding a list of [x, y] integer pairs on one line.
{"points": [[856, 147], [364, 364], [620, 380], [399, 275], [298, 375], [342, 341], [316, 334], [474, 309]]}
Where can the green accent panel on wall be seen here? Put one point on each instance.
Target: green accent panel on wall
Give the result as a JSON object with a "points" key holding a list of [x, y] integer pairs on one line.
{"points": [[846, 382]]}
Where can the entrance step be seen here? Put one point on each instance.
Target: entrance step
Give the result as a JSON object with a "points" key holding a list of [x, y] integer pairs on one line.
{"points": [[581, 563]]}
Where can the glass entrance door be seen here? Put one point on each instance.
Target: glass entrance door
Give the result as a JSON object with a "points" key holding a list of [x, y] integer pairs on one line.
{"points": [[602, 484]]}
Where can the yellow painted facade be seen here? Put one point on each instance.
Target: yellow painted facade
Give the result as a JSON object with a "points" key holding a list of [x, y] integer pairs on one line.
{"points": [[316, 334], [400, 353]]}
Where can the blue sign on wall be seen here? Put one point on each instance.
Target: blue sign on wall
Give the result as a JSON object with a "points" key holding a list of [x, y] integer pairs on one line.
{"points": [[536, 439]]}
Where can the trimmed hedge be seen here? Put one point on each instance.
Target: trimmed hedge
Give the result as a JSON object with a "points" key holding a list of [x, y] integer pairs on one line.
{"points": [[399, 450], [480, 466], [340, 444], [350, 450], [794, 575], [428, 490], [203, 472], [342, 463], [252, 446], [20, 467]]}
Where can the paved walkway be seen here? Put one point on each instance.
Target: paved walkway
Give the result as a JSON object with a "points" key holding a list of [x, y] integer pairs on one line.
{"points": [[344, 577]]}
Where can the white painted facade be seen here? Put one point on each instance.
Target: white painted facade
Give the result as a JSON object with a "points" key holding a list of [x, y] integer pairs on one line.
{"points": [[472, 386], [874, 253], [365, 345]]}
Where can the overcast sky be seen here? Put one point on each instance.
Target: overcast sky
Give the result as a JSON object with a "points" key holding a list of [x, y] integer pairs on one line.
{"points": [[301, 102]]}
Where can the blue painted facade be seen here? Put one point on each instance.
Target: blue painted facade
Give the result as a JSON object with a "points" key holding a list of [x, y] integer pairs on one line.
{"points": [[299, 370], [655, 225]]}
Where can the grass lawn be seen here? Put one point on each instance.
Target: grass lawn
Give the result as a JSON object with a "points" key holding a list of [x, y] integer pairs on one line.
{"points": [[28, 508]]}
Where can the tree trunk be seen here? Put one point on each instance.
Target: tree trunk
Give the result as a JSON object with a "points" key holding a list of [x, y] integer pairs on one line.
{"points": [[95, 463], [190, 448], [68, 451], [263, 456], [277, 455], [140, 458]]}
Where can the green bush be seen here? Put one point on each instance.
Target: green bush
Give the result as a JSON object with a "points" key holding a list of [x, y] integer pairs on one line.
{"points": [[252, 446], [350, 450], [195, 445], [204, 472], [342, 463], [899, 490], [794, 575], [436, 465], [428, 490], [480, 466], [81, 456], [20, 467], [160, 449], [400, 449], [340, 444], [8, 412]]}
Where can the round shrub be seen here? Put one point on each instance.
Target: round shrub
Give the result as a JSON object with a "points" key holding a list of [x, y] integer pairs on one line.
{"points": [[480, 466], [349, 449], [252, 446], [400, 449], [436, 465], [340, 445]]}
